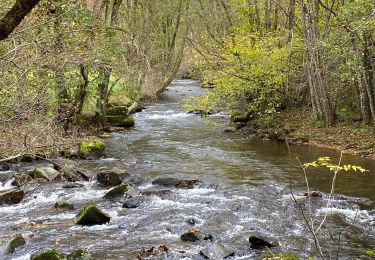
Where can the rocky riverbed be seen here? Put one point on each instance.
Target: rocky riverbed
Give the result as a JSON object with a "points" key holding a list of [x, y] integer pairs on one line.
{"points": [[177, 187]]}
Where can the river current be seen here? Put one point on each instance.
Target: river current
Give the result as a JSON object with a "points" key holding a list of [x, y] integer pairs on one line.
{"points": [[244, 190]]}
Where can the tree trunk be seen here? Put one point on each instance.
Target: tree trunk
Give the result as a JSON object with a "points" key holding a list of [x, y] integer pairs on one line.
{"points": [[14, 16]]}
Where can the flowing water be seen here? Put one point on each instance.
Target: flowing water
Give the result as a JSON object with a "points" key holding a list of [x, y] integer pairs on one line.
{"points": [[244, 190]]}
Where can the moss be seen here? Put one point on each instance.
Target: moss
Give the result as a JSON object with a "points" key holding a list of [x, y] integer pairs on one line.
{"points": [[118, 191], [91, 215], [117, 111], [16, 242], [93, 148], [80, 254], [49, 255], [121, 121]]}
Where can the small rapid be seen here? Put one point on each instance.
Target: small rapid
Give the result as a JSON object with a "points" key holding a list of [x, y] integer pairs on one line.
{"points": [[243, 189]]}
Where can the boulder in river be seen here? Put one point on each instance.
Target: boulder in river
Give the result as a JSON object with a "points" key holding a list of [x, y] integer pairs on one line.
{"points": [[190, 236], [116, 192], [75, 185], [314, 194], [72, 175], [171, 182], [111, 177], [135, 108], [47, 173], [62, 205], [259, 243], [12, 244], [117, 111], [92, 148], [20, 179], [51, 254], [121, 121], [133, 203], [90, 215], [216, 251], [12, 196]]}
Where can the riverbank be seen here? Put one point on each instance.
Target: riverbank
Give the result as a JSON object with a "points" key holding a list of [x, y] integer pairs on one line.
{"points": [[299, 127]]}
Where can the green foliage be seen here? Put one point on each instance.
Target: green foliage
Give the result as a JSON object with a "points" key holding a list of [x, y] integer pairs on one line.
{"points": [[326, 163]]}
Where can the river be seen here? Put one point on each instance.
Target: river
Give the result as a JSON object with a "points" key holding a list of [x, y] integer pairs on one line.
{"points": [[244, 190]]}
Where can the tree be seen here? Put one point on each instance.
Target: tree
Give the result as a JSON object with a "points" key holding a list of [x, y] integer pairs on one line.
{"points": [[14, 16]]}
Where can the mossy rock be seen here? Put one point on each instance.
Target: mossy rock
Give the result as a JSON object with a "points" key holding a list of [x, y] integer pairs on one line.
{"points": [[10, 246], [63, 206], [240, 117], [49, 255], [12, 196], [93, 148], [80, 254], [111, 177], [90, 215], [117, 111], [27, 157], [47, 173], [116, 192], [121, 121]]}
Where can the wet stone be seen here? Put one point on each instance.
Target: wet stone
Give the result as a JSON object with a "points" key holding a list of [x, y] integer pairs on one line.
{"points": [[13, 196], [12, 244], [49, 255], [73, 186], [216, 251], [259, 243], [190, 237], [111, 177], [63, 206], [171, 182], [20, 179], [91, 215], [47, 173], [191, 221], [116, 192], [133, 203]]}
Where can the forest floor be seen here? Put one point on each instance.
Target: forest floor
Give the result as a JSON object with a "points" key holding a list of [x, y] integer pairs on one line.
{"points": [[300, 127]]}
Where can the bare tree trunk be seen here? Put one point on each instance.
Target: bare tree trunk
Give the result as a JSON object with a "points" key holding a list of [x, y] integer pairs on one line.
{"points": [[14, 16], [267, 15], [320, 97], [115, 11], [102, 101]]}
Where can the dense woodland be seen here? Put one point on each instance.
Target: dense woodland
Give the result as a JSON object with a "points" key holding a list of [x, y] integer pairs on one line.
{"points": [[64, 63]]}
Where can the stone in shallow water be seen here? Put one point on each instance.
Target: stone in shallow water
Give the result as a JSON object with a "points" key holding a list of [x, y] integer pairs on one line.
{"points": [[259, 243], [133, 203], [73, 185], [20, 179], [111, 177], [216, 251], [190, 236], [47, 173], [63, 206], [49, 255], [90, 215], [171, 182], [12, 196], [11, 245], [116, 192]]}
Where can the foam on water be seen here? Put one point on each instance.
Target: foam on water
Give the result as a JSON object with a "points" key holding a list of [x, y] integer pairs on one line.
{"points": [[168, 116], [361, 216], [6, 185], [157, 202]]}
